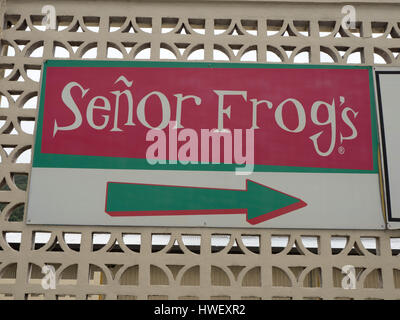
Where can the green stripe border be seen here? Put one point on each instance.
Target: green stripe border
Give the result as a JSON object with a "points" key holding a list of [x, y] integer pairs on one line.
{"points": [[46, 160]]}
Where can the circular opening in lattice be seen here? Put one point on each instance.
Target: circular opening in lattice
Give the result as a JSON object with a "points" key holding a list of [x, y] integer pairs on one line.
{"points": [[16, 213]]}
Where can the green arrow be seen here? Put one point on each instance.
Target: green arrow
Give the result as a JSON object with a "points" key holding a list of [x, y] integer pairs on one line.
{"points": [[260, 202]]}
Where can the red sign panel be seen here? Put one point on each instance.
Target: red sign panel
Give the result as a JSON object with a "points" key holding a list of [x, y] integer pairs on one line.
{"points": [[298, 117]]}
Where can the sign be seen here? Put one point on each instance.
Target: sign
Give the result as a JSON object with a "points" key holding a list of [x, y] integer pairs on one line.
{"points": [[388, 84], [205, 144]]}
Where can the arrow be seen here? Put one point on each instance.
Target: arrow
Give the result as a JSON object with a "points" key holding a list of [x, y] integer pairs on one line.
{"points": [[259, 202]]}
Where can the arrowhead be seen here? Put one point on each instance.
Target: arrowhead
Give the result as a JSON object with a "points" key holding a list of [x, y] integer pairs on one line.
{"points": [[264, 203]]}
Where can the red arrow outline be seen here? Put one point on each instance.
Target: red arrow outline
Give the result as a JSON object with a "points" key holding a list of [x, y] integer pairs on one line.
{"points": [[259, 219]]}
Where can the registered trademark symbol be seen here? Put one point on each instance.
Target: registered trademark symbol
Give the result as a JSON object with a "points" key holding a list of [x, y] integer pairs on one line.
{"points": [[341, 150]]}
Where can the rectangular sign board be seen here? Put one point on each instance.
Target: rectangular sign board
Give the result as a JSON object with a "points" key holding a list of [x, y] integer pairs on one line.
{"points": [[205, 144], [387, 85]]}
